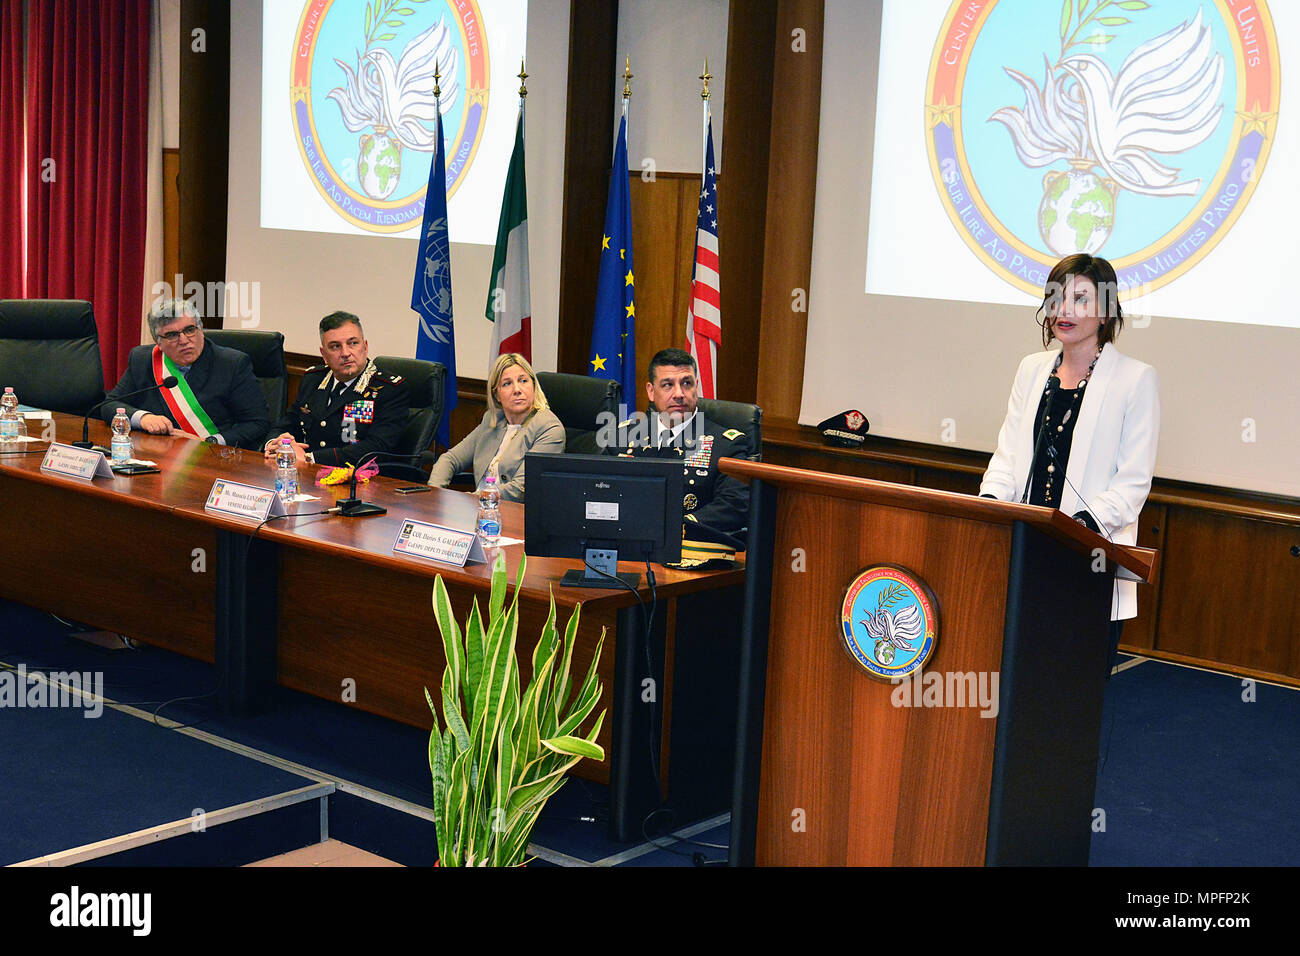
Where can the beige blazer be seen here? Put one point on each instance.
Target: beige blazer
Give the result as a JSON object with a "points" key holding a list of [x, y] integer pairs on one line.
{"points": [[541, 432]]}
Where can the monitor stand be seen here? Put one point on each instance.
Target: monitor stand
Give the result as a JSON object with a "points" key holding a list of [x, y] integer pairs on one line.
{"points": [[605, 560]]}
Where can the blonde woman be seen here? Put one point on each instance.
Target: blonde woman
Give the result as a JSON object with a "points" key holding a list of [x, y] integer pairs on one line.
{"points": [[517, 421]]}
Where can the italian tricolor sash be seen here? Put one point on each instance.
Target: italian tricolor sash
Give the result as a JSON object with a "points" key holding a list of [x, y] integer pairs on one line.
{"points": [[185, 408]]}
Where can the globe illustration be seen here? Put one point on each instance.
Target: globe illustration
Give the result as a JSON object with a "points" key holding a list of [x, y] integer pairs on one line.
{"points": [[884, 652], [1077, 213], [379, 165]]}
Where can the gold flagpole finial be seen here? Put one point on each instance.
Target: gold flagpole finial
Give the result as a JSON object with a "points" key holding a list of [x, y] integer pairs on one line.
{"points": [[705, 76], [627, 77], [437, 75], [523, 90]]}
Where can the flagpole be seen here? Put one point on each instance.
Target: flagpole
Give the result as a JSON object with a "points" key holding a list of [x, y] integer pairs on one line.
{"points": [[523, 91], [704, 129], [627, 89]]}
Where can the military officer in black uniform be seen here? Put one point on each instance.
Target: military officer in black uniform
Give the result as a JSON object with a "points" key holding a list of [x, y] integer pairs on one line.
{"points": [[346, 408], [679, 430]]}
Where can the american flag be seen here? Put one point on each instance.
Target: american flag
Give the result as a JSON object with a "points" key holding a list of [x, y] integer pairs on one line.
{"points": [[704, 316]]}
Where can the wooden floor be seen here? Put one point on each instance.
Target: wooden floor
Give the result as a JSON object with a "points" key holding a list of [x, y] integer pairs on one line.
{"points": [[329, 853]]}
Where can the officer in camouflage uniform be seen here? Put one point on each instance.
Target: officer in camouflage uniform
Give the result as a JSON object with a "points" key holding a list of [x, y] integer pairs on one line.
{"points": [[346, 408], [678, 430]]}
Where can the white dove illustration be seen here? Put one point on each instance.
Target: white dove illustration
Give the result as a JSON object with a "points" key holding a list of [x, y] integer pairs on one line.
{"points": [[898, 629], [1165, 99]]}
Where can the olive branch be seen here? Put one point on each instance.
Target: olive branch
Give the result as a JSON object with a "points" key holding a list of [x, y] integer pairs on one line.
{"points": [[390, 15], [890, 595], [1075, 9]]}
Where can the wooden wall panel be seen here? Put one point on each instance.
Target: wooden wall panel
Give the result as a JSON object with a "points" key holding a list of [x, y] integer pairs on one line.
{"points": [[742, 205], [171, 212], [791, 194], [660, 263], [1231, 591], [204, 145], [588, 143]]}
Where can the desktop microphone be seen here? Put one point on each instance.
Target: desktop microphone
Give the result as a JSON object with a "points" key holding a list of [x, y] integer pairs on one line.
{"points": [[169, 382], [354, 507], [1053, 383]]}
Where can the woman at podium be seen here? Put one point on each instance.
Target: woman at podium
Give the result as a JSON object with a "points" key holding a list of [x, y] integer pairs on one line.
{"points": [[1083, 420], [517, 421]]}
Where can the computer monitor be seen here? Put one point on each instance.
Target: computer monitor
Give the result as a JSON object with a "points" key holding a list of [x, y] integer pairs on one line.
{"points": [[601, 508]]}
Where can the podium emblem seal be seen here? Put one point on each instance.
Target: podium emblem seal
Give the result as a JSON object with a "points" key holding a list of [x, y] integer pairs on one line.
{"points": [[889, 622]]}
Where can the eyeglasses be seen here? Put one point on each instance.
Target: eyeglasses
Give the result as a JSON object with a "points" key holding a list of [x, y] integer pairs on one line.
{"points": [[190, 331]]}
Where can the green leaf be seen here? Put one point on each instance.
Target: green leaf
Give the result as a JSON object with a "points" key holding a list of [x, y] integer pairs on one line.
{"points": [[562, 683], [386, 36], [574, 747], [450, 630], [474, 642], [393, 23], [1133, 5], [404, 11], [455, 722], [498, 596], [1065, 18], [1112, 21]]}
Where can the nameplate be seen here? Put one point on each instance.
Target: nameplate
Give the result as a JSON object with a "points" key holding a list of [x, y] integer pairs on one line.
{"points": [[432, 541], [76, 462], [244, 501]]}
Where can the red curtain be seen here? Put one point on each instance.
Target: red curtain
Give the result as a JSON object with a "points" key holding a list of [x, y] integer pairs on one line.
{"points": [[11, 149], [87, 131]]}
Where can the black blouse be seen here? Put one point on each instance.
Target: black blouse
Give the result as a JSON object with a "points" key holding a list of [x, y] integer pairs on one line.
{"points": [[1061, 419]]}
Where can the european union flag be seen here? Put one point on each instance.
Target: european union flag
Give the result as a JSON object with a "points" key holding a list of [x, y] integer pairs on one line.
{"points": [[431, 291], [613, 333]]}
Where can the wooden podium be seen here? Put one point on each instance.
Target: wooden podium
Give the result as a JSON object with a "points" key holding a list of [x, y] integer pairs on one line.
{"points": [[836, 767]]}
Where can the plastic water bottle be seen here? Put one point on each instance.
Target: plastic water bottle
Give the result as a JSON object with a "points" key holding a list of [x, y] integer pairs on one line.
{"points": [[286, 471], [10, 420], [121, 443], [489, 508]]}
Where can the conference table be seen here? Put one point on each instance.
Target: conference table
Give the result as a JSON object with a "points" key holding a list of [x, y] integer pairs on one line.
{"points": [[322, 604]]}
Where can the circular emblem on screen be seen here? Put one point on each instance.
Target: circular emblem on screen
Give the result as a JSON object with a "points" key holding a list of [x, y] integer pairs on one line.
{"points": [[362, 104], [1128, 129], [889, 621]]}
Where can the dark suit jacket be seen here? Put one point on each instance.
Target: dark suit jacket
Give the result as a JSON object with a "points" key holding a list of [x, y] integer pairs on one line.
{"points": [[223, 382], [378, 399], [709, 497]]}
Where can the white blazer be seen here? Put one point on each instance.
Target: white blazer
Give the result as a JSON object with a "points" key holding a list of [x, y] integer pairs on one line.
{"points": [[1112, 454]]}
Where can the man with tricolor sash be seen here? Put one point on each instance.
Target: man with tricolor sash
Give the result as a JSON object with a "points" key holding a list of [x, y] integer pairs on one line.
{"points": [[216, 397]]}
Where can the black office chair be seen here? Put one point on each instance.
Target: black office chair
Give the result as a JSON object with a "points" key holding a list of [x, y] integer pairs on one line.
{"points": [[579, 402], [266, 349], [425, 384], [49, 353], [748, 418]]}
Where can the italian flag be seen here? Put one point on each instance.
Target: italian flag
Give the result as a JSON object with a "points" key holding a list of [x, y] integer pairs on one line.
{"points": [[509, 307]]}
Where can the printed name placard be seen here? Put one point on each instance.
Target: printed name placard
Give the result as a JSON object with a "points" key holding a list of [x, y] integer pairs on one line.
{"points": [[244, 501], [76, 462], [437, 543]]}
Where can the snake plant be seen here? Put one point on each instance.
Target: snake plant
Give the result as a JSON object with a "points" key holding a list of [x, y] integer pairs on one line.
{"points": [[498, 754]]}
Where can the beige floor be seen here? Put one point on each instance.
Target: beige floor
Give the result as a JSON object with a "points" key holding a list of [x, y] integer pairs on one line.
{"points": [[329, 853]]}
